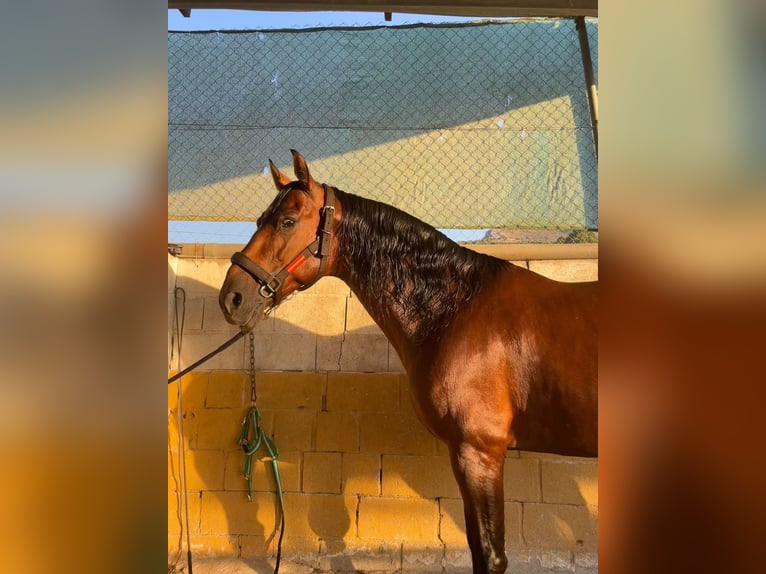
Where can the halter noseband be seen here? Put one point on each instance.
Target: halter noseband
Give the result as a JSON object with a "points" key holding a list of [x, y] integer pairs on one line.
{"points": [[320, 248]]}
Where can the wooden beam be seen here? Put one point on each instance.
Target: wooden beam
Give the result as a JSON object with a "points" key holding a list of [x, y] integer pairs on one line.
{"points": [[590, 81], [478, 8]]}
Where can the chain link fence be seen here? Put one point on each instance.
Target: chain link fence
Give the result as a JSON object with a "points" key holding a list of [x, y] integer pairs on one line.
{"points": [[482, 126]]}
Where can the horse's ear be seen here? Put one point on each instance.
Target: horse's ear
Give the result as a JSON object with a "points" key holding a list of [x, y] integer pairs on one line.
{"points": [[280, 179], [301, 169], [303, 175]]}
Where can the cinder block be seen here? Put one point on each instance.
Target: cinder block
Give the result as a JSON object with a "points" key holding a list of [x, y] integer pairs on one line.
{"points": [[294, 430], [266, 324], [570, 481], [174, 474], [328, 353], [452, 523], [405, 393], [231, 513], [559, 526], [360, 392], [300, 552], [193, 390], [586, 562], [234, 479], [254, 546], [174, 435], [204, 470], [284, 352], [394, 362], [457, 559], [290, 390], [525, 561], [361, 474], [441, 448], [396, 519], [358, 321], [359, 556], [394, 433], [320, 515], [290, 471], [521, 480], [419, 477], [213, 319], [201, 275], [214, 546], [322, 472], [329, 286], [197, 345], [520, 561], [176, 513], [364, 353], [538, 455], [556, 560], [216, 428], [420, 558], [226, 389], [319, 314], [513, 537], [172, 267], [191, 316], [337, 432], [289, 464], [567, 269], [189, 431]]}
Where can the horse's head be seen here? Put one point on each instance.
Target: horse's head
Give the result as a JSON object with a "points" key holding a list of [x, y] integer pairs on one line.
{"points": [[290, 249]]}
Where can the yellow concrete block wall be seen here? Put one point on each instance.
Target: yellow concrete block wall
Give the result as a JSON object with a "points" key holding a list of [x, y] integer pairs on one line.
{"points": [[366, 486]]}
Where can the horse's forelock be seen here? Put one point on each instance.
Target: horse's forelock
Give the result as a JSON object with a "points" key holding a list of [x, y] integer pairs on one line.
{"points": [[277, 201]]}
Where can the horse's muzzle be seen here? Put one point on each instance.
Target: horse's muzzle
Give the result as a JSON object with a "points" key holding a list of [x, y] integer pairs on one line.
{"points": [[240, 302]]}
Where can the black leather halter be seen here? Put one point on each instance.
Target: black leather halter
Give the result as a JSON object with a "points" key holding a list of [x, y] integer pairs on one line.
{"points": [[271, 282]]}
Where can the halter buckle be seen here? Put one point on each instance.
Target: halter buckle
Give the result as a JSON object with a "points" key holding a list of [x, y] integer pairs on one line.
{"points": [[269, 290], [327, 222]]}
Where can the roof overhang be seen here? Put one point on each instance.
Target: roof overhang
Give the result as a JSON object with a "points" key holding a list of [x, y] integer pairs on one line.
{"points": [[477, 8]]}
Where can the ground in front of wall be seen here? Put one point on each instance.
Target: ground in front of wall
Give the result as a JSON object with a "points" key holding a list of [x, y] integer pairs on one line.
{"points": [[544, 562], [238, 566]]}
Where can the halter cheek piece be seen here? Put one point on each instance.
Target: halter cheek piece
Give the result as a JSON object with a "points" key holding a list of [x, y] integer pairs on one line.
{"points": [[271, 282]]}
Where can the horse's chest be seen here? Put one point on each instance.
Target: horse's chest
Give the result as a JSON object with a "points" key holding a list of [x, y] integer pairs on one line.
{"points": [[430, 401]]}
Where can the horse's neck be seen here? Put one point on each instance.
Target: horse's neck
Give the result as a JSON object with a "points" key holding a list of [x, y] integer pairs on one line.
{"points": [[410, 294]]}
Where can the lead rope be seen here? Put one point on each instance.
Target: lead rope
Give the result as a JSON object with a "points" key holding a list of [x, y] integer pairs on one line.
{"points": [[252, 426]]}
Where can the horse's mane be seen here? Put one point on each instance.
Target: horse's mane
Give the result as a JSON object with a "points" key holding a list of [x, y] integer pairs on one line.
{"points": [[398, 259]]}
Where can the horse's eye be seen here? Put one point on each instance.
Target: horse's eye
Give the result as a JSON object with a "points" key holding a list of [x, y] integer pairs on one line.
{"points": [[287, 223]]}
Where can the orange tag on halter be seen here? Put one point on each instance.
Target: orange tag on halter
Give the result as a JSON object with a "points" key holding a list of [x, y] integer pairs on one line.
{"points": [[295, 263]]}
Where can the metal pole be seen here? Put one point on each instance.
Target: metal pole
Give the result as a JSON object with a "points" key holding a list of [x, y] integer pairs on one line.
{"points": [[590, 81]]}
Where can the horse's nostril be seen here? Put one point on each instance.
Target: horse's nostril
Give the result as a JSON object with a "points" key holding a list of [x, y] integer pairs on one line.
{"points": [[232, 301]]}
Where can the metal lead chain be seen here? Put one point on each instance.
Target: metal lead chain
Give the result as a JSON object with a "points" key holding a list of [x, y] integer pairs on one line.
{"points": [[252, 369]]}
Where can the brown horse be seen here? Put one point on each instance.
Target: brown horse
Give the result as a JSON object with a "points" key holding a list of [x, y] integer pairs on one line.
{"points": [[497, 357]]}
